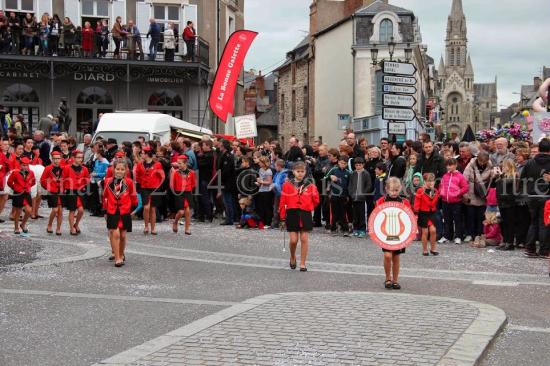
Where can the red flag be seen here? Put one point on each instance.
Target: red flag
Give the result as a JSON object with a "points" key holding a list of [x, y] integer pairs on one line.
{"points": [[222, 95]]}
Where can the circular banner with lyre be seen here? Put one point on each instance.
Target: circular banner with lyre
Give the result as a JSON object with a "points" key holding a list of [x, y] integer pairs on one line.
{"points": [[392, 226]]}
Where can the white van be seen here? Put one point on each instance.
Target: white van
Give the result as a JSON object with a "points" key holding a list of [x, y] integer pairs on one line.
{"points": [[128, 126]]}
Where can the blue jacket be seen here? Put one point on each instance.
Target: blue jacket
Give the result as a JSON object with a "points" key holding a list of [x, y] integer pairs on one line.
{"points": [[154, 32], [100, 170], [340, 187], [192, 159], [278, 181]]}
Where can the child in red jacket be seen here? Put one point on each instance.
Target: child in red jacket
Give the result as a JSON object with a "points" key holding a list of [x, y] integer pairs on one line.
{"points": [[51, 182], [119, 200], [75, 179], [425, 205], [20, 181], [182, 183], [298, 200], [149, 175]]}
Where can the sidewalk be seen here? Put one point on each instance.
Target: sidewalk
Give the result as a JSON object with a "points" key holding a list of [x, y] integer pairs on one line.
{"points": [[332, 328]]}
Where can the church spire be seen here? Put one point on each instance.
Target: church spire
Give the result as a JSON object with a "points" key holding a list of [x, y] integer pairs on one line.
{"points": [[456, 10], [441, 69], [469, 67]]}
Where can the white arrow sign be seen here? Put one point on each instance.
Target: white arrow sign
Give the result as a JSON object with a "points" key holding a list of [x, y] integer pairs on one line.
{"points": [[397, 128], [398, 114], [399, 68], [399, 89], [395, 100], [399, 80]]}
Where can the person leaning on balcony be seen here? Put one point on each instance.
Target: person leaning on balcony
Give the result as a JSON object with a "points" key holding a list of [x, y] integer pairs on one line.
{"points": [[189, 35], [154, 32], [169, 42], [68, 36], [134, 41], [118, 33]]}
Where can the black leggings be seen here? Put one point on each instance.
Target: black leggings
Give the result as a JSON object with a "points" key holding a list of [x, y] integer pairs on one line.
{"points": [[264, 206]]}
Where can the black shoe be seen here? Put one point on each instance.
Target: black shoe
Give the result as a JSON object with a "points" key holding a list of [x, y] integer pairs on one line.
{"points": [[530, 254], [2, 221], [543, 256], [112, 258], [292, 265], [303, 269], [388, 285], [435, 254], [49, 231], [506, 247], [426, 254], [226, 224], [396, 286]]}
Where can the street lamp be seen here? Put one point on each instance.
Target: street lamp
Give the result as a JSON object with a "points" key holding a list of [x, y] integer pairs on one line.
{"points": [[408, 52], [374, 54], [391, 46]]}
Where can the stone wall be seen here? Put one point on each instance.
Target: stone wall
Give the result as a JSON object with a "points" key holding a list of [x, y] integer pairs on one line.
{"points": [[288, 126]]}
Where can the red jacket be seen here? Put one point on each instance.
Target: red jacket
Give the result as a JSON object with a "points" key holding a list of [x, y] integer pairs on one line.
{"points": [[547, 213], [305, 199], [188, 34], [73, 181], [87, 39], [151, 177], [50, 180], [404, 201], [14, 162], [181, 182], [20, 184], [121, 197], [4, 169], [425, 203], [66, 160]]}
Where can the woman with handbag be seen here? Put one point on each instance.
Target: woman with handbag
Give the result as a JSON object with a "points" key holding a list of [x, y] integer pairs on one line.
{"points": [[479, 174]]}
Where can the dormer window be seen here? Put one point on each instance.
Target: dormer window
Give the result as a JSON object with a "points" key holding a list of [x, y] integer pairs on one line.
{"points": [[386, 30]]}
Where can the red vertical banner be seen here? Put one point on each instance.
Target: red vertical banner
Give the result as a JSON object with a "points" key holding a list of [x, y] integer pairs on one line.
{"points": [[222, 95]]}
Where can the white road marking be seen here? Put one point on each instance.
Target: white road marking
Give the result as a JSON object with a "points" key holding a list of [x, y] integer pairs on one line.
{"points": [[528, 329]]}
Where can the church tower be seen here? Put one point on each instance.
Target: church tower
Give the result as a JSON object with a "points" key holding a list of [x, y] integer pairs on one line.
{"points": [[456, 74]]}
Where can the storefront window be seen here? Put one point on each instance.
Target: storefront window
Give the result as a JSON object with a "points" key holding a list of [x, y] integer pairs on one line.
{"points": [[166, 101], [91, 102], [94, 95], [95, 8], [20, 93]]}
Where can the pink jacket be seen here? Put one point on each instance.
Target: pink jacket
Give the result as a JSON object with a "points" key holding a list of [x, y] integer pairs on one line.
{"points": [[452, 187], [492, 232]]}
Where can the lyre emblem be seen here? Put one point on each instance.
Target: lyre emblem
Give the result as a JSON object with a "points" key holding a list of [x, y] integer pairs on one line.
{"points": [[392, 226]]}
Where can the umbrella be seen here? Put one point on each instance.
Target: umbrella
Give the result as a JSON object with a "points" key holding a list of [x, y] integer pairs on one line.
{"points": [[469, 135]]}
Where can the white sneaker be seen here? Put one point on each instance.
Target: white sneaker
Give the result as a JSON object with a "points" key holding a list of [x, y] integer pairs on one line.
{"points": [[458, 241], [443, 240], [468, 239]]}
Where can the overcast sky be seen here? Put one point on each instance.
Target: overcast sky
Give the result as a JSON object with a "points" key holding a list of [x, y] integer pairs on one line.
{"points": [[507, 38]]}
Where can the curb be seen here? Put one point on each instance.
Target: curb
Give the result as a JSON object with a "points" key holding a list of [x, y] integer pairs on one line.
{"points": [[466, 351]]}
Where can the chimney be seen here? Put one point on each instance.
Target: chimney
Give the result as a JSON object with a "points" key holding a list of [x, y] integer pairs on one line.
{"points": [[260, 86], [537, 82]]}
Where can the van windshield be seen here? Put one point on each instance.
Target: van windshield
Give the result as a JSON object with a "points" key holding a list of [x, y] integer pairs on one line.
{"points": [[122, 136]]}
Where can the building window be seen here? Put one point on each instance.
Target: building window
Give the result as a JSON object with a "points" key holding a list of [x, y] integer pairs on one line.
{"points": [[94, 95], [91, 102], [95, 8], [231, 23], [20, 93], [452, 57], [379, 92], [386, 30], [293, 70], [306, 102], [166, 13], [166, 101], [293, 105], [20, 5]]}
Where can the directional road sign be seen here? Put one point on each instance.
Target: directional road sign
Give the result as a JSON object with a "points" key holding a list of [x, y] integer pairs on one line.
{"points": [[401, 89], [399, 68], [398, 114], [399, 80], [396, 100], [397, 128]]}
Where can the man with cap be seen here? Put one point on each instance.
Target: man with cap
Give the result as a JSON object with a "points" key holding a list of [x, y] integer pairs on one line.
{"points": [[182, 184], [112, 148], [21, 181], [51, 182]]}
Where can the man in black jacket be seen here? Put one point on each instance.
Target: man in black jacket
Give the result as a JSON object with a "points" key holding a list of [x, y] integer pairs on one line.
{"points": [[226, 171], [431, 162], [397, 165], [322, 166], [205, 161], [532, 176]]}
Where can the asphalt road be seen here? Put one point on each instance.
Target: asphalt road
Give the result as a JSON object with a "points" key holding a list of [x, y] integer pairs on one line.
{"points": [[81, 312]]}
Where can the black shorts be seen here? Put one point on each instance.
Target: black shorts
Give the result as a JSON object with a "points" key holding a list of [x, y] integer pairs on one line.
{"points": [[298, 221], [20, 200], [151, 196], [395, 252], [54, 200], [72, 201], [183, 200], [425, 219], [117, 221]]}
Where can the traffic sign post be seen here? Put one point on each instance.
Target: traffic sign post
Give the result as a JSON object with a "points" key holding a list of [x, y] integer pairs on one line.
{"points": [[398, 114], [399, 68], [399, 89], [397, 128], [396, 100], [406, 80]]}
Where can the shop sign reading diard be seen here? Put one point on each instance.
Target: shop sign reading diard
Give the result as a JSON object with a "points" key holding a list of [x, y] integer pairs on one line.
{"points": [[94, 76]]}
